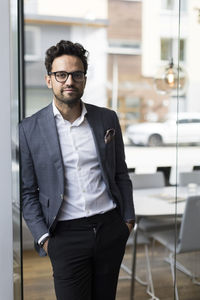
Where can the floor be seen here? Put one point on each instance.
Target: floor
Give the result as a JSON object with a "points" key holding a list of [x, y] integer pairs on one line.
{"points": [[38, 284]]}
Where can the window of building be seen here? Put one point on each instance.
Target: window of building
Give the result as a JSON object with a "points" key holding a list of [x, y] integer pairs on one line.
{"points": [[128, 109], [124, 47], [169, 49], [32, 43], [182, 50], [166, 48], [173, 5], [167, 4]]}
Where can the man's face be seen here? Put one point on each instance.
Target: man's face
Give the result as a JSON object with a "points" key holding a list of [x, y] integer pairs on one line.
{"points": [[70, 91]]}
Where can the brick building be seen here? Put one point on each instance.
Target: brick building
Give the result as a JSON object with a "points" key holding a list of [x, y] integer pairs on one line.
{"points": [[131, 94]]}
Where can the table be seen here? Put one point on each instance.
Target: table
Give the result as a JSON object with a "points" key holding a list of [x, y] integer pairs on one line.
{"points": [[156, 202], [159, 201]]}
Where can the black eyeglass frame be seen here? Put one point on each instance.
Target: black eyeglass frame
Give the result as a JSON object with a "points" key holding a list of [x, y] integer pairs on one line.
{"points": [[67, 75]]}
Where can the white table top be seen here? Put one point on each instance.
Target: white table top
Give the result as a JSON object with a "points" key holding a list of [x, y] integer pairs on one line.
{"points": [[159, 201]]}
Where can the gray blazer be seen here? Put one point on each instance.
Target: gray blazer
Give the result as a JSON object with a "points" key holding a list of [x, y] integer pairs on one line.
{"points": [[42, 170]]}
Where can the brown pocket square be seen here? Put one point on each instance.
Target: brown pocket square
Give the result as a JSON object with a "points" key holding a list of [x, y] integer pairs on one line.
{"points": [[110, 133]]}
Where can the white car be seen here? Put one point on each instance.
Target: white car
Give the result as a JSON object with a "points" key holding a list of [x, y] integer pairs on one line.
{"points": [[186, 127]]}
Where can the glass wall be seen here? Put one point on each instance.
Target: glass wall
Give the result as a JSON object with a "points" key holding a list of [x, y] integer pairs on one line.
{"points": [[188, 175], [10, 250], [144, 64], [6, 253], [15, 96]]}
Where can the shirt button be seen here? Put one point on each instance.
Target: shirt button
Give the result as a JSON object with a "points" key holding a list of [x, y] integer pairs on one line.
{"points": [[87, 212]]}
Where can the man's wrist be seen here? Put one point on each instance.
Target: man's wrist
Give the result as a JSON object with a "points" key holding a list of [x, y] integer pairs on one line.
{"points": [[132, 222], [42, 241]]}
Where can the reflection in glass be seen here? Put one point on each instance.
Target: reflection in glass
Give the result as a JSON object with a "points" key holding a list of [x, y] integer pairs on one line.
{"points": [[169, 78], [36, 98], [15, 154]]}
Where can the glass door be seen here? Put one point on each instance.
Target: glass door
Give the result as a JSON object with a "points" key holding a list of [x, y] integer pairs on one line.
{"points": [[16, 12]]}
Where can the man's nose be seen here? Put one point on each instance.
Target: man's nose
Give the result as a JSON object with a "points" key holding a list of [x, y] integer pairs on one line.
{"points": [[69, 80]]}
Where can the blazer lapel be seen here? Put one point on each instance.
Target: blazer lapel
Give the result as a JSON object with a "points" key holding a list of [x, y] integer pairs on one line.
{"points": [[49, 133], [95, 122], [98, 132]]}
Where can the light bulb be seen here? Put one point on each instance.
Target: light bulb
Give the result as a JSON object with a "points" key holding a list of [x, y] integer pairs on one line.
{"points": [[170, 78]]}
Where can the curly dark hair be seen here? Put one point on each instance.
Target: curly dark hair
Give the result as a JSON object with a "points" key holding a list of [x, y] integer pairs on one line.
{"points": [[68, 48]]}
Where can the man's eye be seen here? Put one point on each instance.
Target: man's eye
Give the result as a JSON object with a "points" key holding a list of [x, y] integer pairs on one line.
{"points": [[61, 75], [78, 75]]}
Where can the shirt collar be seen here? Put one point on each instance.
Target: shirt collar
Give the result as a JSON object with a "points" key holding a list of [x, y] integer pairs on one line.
{"points": [[55, 110], [77, 121]]}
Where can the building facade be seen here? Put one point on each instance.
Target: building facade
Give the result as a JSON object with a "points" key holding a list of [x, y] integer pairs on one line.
{"points": [[52, 22], [137, 99]]}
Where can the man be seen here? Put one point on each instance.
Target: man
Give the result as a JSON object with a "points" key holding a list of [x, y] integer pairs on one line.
{"points": [[76, 193]]}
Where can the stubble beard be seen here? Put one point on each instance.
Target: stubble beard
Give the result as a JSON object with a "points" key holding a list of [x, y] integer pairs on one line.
{"points": [[70, 102]]}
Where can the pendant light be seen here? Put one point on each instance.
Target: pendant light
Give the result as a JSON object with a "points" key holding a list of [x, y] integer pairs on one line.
{"points": [[170, 78]]}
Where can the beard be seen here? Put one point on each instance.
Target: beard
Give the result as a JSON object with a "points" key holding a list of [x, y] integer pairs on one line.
{"points": [[71, 101]]}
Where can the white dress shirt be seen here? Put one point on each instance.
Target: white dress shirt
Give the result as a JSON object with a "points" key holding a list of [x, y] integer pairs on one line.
{"points": [[85, 191]]}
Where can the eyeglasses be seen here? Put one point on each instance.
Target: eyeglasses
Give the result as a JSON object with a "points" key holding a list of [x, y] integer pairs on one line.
{"points": [[62, 76]]}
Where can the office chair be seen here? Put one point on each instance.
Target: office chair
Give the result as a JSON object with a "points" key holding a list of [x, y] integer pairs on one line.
{"points": [[131, 170], [147, 180], [187, 237], [142, 239], [196, 168], [148, 225], [186, 178], [145, 225], [166, 172]]}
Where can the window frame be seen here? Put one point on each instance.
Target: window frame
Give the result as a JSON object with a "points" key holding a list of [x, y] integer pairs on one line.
{"points": [[174, 48]]}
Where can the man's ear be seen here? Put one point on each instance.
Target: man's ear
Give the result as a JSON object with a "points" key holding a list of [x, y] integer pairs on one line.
{"points": [[48, 81]]}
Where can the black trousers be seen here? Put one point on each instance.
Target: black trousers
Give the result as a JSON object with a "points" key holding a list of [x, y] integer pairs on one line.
{"points": [[86, 255]]}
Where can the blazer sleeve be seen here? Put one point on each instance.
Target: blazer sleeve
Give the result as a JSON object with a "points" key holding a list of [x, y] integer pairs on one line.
{"points": [[121, 175], [32, 211]]}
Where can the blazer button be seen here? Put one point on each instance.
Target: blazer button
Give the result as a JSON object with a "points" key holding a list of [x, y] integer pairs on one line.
{"points": [[61, 196]]}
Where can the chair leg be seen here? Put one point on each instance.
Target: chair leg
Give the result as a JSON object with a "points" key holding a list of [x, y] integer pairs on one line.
{"points": [[128, 271], [131, 273], [149, 282], [194, 269], [150, 287], [171, 256], [184, 270]]}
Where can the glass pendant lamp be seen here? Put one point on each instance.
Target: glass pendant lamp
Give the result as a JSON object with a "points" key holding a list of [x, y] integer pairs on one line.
{"points": [[169, 78]]}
